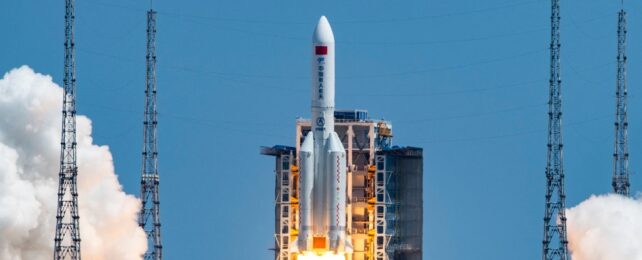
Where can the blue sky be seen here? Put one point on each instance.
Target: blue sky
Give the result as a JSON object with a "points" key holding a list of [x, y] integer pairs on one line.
{"points": [[466, 80]]}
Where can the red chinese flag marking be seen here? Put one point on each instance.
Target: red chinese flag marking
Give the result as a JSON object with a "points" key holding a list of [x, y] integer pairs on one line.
{"points": [[321, 50]]}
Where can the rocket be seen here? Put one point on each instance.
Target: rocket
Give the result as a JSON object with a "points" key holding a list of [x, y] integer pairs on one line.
{"points": [[322, 183]]}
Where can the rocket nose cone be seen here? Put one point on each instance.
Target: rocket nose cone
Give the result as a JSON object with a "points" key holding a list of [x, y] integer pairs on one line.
{"points": [[323, 32]]}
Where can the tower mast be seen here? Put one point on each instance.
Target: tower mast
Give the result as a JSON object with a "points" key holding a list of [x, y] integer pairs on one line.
{"points": [[67, 238], [555, 244], [621, 153], [149, 218]]}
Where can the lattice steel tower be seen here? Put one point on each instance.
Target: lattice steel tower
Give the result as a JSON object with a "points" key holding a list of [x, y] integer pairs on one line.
{"points": [[149, 218], [621, 154], [555, 244], [67, 240]]}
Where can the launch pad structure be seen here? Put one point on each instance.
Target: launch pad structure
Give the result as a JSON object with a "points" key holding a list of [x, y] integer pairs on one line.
{"points": [[384, 186]]}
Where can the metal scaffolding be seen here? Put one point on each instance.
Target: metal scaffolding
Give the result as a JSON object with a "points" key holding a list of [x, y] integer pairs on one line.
{"points": [[555, 243], [149, 218], [285, 204], [67, 238], [621, 154], [383, 233]]}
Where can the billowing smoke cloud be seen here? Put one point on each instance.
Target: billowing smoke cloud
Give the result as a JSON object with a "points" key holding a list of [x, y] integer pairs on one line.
{"points": [[30, 125], [606, 227]]}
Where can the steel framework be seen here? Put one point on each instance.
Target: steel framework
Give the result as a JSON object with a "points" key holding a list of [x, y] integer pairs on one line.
{"points": [[555, 243], [67, 238], [383, 233], [149, 218], [285, 205], [621, 154]]}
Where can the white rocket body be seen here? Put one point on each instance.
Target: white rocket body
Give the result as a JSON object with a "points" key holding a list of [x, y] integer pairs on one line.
{"points": [[322, 159]]}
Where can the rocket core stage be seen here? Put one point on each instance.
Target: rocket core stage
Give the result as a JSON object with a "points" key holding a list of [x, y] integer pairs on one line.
{"points": [[322, 195]]}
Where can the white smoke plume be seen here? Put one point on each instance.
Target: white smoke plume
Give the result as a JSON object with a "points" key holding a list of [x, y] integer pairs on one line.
{"points": [[606, 227], [30, 126]]}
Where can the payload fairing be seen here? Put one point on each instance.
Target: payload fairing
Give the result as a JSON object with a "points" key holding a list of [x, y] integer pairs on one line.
{"points": [[322, 221]]}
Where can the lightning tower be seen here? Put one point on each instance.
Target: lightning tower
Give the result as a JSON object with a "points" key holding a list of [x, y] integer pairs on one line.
{"points": [[555, 243], [149, 218], [621, 154], [67, 239]]}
